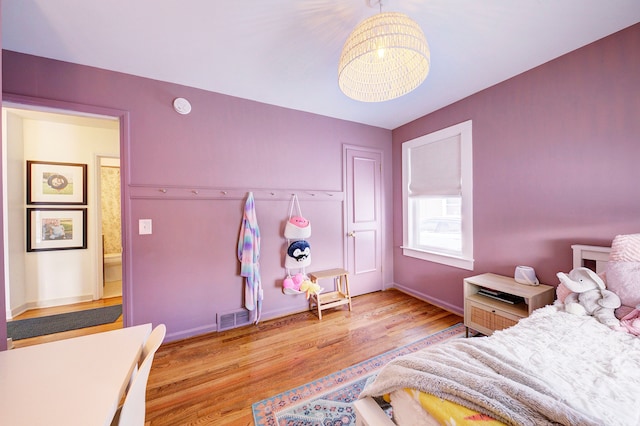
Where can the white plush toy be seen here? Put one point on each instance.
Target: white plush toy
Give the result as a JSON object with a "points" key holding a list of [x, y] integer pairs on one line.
{"points": [[589, 296]]}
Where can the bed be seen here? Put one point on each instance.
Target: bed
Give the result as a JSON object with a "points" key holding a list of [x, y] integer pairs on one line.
{"points": [[553, 367]]}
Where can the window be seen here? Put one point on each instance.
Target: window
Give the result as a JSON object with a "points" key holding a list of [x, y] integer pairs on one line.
{"points": [[437, 197]]}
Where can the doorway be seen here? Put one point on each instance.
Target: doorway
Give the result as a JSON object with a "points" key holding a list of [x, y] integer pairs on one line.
{"points": [[110, 223], [53, 279]]}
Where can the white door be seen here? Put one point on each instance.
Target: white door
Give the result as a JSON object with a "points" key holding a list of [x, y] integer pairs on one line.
{"points": [[363, 222]]}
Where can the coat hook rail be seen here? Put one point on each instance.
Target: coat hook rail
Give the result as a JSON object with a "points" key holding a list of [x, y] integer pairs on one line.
{"points": [[212, 193]]}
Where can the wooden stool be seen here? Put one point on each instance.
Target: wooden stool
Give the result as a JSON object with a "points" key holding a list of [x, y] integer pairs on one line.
{"points": [[341, 295]]}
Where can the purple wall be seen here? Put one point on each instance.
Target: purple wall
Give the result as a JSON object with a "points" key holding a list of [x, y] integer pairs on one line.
{"points": [[187, 271], [555, 163], [556, 157], [3, 320]]}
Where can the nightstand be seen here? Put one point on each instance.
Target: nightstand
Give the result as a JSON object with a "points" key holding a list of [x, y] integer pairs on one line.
{"points": [[486, 313]]}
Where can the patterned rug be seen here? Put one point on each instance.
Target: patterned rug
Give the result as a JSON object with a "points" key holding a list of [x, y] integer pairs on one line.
{"points": [[329, 401]]}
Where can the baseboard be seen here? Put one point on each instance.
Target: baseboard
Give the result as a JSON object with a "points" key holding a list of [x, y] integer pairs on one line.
{"points": [[434, 301], [269, 315], [49, 303], [14, 312], [213, 328], [192, 332], [59, 302]]}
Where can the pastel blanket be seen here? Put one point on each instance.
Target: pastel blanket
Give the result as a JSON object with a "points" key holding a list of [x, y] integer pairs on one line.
{"points": [[551, 368]]}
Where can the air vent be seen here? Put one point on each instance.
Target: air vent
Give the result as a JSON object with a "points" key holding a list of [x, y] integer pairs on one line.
{"points": [[233, 319]]}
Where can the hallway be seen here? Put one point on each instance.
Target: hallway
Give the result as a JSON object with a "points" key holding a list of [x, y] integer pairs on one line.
{"points": [[34, 313]]}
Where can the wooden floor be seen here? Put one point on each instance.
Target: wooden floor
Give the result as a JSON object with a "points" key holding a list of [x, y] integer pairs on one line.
{"points": [[215, 378]]}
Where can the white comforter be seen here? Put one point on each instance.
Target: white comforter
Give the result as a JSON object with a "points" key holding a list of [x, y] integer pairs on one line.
{"points": [[551, 368]]}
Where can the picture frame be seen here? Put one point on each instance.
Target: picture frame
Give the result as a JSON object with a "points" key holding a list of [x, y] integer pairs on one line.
{"points": [[56, 183], [51, 229]]}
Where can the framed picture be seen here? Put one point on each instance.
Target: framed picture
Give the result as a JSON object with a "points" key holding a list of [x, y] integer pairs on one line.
{"points": [[56, 183], [56, 229]]}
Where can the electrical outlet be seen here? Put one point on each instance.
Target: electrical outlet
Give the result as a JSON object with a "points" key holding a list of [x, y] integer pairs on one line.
{"points": [[144, 227]]}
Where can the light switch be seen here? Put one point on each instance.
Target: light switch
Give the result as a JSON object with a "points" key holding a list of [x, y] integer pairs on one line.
{"points": [[144, 226]]}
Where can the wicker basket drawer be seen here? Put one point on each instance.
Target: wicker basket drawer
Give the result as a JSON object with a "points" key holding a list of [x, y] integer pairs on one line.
{"points": [[487, 318], [501, 322]]}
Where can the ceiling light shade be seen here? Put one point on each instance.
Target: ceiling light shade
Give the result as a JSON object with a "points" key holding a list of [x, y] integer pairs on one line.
{"points": [[386, 56]]}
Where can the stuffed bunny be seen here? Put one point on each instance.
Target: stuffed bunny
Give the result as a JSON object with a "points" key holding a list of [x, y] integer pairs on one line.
{"points": [[589, 296]]}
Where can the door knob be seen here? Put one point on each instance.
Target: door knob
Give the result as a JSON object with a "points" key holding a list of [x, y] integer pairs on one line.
{"points": [[351, 234]]}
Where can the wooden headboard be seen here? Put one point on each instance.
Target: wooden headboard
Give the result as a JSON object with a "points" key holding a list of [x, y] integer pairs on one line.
{"points": [[592, 257]]}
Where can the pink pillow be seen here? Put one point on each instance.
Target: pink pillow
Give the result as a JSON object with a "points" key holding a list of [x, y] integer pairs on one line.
{"points": [[625, 248], [623, 269], [623, 278]]}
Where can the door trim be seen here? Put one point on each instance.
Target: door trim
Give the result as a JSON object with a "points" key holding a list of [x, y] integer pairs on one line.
{"points": [[56, 106]]}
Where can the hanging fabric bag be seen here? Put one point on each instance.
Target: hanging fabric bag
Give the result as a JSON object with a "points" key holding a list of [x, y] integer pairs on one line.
{"points": [[297, 227]]}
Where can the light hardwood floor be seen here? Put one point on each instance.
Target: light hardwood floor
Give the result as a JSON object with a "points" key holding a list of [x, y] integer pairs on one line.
{"points": [[214, 379]]}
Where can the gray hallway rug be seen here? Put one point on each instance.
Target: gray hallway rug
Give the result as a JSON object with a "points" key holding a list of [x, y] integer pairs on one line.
{"points": [[32, 327]]}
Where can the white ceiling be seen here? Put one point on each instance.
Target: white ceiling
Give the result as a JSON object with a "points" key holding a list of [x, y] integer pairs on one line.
{"points": [[286, 52]]}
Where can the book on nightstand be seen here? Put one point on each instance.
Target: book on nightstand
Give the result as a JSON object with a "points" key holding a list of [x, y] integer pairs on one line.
{"points": [[499, 295]]}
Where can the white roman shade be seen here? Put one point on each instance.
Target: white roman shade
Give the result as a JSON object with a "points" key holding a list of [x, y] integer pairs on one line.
{"points": [[435, 168]]}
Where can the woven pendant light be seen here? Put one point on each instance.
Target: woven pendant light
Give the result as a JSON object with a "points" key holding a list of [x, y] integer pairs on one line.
{"points": [[386, 56]]}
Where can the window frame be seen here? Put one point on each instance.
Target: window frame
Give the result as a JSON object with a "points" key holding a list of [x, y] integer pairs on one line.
{"points": [[463, 259]]}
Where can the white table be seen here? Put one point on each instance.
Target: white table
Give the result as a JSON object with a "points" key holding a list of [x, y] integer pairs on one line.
{"points": [[77, 381]]}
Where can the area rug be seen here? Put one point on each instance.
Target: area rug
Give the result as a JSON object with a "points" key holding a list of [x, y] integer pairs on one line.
{"points": [[32, 327], [329, 401]]}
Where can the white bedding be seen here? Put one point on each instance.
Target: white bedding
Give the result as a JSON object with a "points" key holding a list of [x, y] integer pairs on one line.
{"points": [[551, 368]]}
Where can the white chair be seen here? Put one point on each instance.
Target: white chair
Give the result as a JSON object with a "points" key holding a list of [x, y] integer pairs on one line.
{"points": [[153, 342], [133, 410]]}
